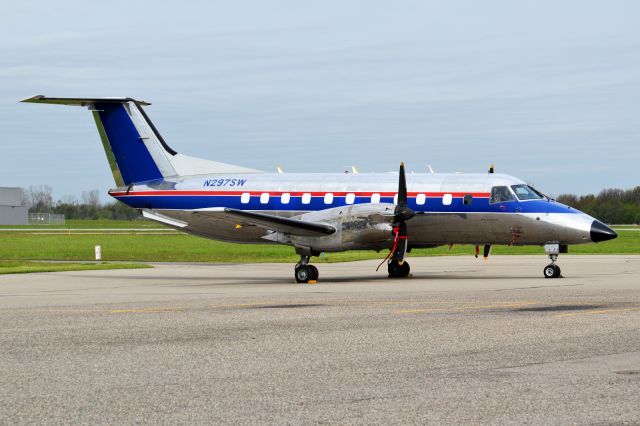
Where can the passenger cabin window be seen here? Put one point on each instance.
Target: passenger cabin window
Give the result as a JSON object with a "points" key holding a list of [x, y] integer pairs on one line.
{"points": [[375, 198], [306, 198], [264, 198], [447, 199], [501, 194], [245, 198], [525, 192], [467, 200], [285, 198], [328, 198], [350, 198], [421, 199]]}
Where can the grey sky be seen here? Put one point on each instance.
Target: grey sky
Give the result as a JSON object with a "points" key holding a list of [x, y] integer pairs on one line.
{"points": [[547, 90]]}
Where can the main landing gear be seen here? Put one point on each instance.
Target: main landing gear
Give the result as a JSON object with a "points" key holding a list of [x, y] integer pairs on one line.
{"points": [[304, 272], [552, 270]]}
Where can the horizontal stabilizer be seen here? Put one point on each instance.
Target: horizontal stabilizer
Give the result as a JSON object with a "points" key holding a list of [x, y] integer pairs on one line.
{"points": [[273, 223], [164, 219], [41, 99]]}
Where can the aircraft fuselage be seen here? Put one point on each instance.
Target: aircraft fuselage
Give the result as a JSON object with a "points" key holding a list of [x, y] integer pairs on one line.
{"points": [[450, 208]]}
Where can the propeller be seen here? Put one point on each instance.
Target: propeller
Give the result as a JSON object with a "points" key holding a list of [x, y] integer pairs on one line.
{"points": [[487, 247], [401, 214]]}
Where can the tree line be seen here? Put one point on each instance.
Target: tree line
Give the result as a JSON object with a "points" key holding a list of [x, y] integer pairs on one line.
{"points": [[39, 199], [613, 206]]}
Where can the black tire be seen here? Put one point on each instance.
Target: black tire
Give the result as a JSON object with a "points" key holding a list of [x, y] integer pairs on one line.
{"points": [[392, 268], [551, 271], [405, 269], [557, 268], [314, 274], [397, 270], [303, 274]]}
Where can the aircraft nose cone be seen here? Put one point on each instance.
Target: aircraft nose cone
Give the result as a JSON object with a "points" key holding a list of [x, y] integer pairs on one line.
{"points": [[601, 232]]}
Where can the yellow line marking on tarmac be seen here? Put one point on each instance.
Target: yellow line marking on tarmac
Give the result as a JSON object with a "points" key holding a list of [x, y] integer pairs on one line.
{"points": [[144, 310], [595, 312], [469, 307], [240, 305]]}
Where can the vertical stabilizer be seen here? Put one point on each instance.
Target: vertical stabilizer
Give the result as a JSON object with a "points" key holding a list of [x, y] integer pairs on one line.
{"points": [[135, 150]]}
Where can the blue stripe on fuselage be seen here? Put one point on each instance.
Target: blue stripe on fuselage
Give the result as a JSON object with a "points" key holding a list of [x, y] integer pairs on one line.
{"points": [[432, 205]]}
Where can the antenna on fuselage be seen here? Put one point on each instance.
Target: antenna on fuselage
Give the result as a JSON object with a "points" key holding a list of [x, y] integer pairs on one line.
{"points": [[491, 168], [430, 169], [279, 170]]}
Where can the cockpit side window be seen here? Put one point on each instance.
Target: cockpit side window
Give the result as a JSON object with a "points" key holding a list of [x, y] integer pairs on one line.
{"points": [[525, 192], [501, 194]]}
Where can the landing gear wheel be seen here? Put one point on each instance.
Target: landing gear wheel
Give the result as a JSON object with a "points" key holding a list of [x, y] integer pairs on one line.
{"points": [[397, 270], [551, 271], [306, 273], [303, 274], [314, 273]]}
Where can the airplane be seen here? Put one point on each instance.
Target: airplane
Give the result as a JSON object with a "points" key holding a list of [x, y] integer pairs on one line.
{"points": [[326, 212]]}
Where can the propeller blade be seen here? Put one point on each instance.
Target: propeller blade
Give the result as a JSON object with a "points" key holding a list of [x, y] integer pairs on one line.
{"points": [[402, 212], [402, 187]]}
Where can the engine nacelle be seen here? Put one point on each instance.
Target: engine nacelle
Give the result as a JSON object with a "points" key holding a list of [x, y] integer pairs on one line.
{"points": [[358, 226]]}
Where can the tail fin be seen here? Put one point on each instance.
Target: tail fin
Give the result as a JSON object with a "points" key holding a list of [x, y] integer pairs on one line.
{"points": [[135, 150]]}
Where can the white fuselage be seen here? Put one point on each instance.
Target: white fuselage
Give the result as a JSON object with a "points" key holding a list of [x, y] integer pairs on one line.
{"points": [[450, 208]]}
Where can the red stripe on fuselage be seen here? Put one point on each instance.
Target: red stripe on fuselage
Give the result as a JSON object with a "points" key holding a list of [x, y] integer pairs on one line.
{"points": [[293, 194]]}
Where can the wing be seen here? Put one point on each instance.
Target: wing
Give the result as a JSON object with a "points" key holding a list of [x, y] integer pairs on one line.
{"points": [[273, 223]]}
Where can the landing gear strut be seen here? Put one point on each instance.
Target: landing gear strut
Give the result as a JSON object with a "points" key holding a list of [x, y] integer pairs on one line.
{"points": [[304, 272], [552, 270]]}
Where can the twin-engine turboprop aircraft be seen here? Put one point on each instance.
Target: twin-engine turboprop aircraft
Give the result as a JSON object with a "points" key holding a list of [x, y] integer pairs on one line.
{"points": [[317, 213]]}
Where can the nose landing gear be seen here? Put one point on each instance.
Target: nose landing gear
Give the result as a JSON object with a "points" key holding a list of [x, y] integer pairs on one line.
{"points": [[552, 270]]}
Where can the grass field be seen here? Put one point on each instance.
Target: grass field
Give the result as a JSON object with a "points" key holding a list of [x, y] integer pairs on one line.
{"points": [[177, 247], [25, 266], [93, 224]]}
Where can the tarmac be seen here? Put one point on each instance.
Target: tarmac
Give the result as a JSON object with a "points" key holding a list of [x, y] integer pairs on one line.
{"points": [[463, 341]]}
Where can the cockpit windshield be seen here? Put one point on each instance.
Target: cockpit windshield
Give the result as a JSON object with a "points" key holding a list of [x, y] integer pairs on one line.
{"points": [[501, 194], [525, 192]]}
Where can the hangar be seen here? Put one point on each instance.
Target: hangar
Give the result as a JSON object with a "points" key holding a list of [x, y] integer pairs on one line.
{"points": [[13, 209]]}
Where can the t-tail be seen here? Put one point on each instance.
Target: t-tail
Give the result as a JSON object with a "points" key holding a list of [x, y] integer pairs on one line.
{"points": [[135, 149]]}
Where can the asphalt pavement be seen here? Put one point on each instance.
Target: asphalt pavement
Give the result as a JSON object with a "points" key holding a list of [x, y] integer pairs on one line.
{"points": [[462, 341]]}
